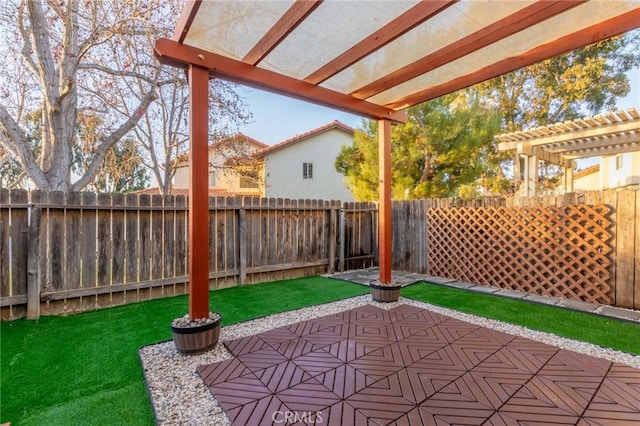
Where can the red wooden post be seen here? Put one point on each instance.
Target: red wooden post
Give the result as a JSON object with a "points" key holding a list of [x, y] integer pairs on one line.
{"points": [[199, 192], [384, 202]]}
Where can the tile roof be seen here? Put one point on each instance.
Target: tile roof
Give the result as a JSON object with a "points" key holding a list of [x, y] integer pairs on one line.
{"points": [[585, 172], [306, 135]]}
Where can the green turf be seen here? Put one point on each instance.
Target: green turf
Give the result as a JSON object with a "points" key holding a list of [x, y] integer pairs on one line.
{"points": [[84, 369], [607, 332]]}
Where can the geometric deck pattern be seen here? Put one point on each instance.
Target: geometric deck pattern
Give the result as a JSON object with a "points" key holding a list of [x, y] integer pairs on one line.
{"points": [[410, 366]]}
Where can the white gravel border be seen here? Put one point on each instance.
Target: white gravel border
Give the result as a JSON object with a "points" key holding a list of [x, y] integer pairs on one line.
{"points": [[179, 396]]}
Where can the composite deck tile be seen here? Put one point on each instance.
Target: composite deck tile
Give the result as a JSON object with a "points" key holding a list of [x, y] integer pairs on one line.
{"points": [[618, 397], [261, 359], [239, 391], [260, 412], [546, 399], [455, 413], [523, 354], [245, 345], [568, 363], [458, 356], [318, 362], [404, 311], [294, 348], [486, 337], [342, 414], [452, 329], [305, 328], [416, 385], [376, 365], [380, 405], [222, 371], [343, 380], [428, 318], [282, 376], [310, 395], [414, 348], [350, 349], [408, 366], [278, 335]]}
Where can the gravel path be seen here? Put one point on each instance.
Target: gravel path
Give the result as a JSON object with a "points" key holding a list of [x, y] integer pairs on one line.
{"points": [[180, 397]]}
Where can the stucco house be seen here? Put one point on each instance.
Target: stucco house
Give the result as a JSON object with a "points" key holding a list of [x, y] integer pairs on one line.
{"points": [[613, 171], [303, 167], [233, 168]]}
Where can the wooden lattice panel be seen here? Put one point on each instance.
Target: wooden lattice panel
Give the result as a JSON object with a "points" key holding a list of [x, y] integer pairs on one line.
{"points": [[553, 251]]}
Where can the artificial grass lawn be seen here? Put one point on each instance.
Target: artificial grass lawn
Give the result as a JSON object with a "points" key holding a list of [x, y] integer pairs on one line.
{"points": [[607, 332], [84, 369]]}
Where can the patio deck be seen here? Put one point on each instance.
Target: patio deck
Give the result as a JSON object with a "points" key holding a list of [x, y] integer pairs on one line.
{"points": [[408, 365]]}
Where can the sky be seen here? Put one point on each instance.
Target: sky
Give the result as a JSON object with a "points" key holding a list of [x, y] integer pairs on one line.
{"points": [[277, 118]]}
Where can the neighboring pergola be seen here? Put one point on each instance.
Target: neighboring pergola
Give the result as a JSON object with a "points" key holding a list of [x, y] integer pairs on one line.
{"points": [[563, 143], [373, 59]]}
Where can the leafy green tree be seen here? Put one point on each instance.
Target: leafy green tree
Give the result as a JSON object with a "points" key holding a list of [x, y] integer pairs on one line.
{"points": [[583, 82], [444, 149]]}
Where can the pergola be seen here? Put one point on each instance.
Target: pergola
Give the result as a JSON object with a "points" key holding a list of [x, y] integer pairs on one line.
{"points": [[373, 59], [563, 143]]}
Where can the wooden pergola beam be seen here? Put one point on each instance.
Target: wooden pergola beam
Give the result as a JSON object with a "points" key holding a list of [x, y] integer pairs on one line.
{"points": [[502, 28], [385, 35], [606, 29], [180, 55]]}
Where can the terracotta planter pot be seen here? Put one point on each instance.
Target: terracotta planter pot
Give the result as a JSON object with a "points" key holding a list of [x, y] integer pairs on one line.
{"points": [[385, 293], [195, 340]]}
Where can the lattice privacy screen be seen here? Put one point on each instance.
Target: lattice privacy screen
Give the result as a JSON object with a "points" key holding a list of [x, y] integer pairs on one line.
{"points": [[554, 251]]}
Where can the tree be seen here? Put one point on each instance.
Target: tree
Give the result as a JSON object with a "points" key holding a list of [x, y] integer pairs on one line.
{"points": [[445, 146], [587, 81], [79, 62], [163, 131]]}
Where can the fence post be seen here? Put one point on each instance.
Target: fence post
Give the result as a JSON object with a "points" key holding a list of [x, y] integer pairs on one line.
{"points": [[242, 244], [33, 264], [341, 238], [332, 238]]}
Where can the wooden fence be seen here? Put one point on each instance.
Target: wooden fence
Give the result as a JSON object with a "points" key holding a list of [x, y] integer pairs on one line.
{"points": [[80, 251]]}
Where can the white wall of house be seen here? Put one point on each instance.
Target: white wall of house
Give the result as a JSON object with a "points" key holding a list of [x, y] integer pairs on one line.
{"points": [[587, 182], [220, 177], [283, 168], [620, 170]]}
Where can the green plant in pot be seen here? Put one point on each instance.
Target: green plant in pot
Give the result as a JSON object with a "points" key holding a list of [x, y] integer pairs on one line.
{"points": [[385, 292]]}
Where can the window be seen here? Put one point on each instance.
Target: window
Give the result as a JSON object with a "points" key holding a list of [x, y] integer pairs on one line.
{"points": [[249, 179], [307, 170], [619, 161], [212, 178]]}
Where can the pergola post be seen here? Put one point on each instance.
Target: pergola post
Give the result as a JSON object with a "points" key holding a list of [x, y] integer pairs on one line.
{"points": [[568, 177], [384, 201], [199, 192]]}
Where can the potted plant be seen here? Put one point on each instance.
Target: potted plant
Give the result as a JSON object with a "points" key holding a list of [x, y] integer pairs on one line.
{"points": [[193, 336], [385, 292]]}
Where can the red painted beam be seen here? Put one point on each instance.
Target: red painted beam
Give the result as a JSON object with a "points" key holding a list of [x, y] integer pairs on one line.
{"points": [[181, 55], [384, 202], [199, 192]]}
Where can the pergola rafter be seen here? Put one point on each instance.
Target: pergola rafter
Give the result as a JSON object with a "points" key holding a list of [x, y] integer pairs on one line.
{"points": [[561, 143]]}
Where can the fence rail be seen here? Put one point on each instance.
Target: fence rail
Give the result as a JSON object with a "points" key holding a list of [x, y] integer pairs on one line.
{"points": [[71, 252]]}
